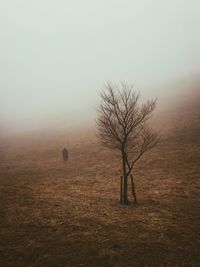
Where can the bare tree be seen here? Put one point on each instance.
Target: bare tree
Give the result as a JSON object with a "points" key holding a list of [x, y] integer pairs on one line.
{"points": [[123, 125]]}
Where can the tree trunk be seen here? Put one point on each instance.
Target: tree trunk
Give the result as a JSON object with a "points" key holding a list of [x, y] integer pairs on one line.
{"points": [[125, 181], [133, 189], [121, 189], [125, 202]]}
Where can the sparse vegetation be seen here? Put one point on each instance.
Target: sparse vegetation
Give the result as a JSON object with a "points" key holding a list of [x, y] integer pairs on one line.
{"points": [[56, 214], [123, 125]]}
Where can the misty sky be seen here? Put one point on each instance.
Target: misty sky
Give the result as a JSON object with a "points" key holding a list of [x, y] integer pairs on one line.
{"points": [[55, 56]]}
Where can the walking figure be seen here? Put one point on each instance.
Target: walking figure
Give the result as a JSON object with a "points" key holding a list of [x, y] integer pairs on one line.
{"points": [[65, 154]]}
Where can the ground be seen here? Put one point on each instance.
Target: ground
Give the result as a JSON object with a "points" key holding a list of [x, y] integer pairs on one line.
{"points": [[56, 213]]}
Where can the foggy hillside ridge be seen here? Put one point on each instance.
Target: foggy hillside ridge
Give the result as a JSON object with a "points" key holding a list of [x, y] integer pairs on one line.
{"points": [[173, 103]]}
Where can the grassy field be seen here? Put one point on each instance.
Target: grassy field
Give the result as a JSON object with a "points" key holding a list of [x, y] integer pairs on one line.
{"points": [[54, 213]]}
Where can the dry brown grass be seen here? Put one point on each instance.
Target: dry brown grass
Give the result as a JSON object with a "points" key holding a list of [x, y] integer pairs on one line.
{"points": [[54, 213]]}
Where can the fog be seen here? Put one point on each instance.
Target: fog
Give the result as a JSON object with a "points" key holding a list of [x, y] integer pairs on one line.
{"points": [[55, 56]]}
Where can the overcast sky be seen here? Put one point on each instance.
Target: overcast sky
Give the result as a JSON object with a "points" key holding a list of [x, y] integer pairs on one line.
{"points": [[55, 55]]}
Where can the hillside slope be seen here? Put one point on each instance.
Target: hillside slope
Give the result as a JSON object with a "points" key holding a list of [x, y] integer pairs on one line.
{"points": [[57, 214]]}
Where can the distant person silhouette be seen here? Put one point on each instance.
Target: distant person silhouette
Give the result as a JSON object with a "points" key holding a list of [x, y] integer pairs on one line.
{"points": [[65, 154]]}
